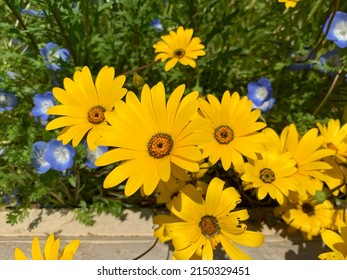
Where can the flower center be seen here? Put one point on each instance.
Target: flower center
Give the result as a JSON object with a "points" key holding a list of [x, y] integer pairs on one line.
{"points": [[96, 115], [267, 175], [179, 53], [340, 30], [3, 99], [45, 105], [62, 154], [224, 134], [160, 145], [261, 93], [308, 209], [331, 146], [209, 226]]}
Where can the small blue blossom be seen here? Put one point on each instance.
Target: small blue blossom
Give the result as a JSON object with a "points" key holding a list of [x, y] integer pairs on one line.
{"points": [[156, 24], [38, 161], [59, 156], [2, 151], [51, 53], [12, 75], [32, 12], [260, 93], [301, 61], [93, 155], [338, 29], [8, 101], [330, 63], [12, 199], [42, 103]]}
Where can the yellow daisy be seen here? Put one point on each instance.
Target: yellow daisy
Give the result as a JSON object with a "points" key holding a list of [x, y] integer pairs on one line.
{"points": [[153, 139], [307, 215], [336, 176], [166, 191], [337, 242], [233, 131], [84, 104], [179, 47], [51, 250], [307, 152], [289, 3], [271, 175], [197, 226], [335, 138]]}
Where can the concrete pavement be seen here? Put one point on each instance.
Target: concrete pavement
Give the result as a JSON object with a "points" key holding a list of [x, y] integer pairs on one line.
{"points": [[114, 239]]}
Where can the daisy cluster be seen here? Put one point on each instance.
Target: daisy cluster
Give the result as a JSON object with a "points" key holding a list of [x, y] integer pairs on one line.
{"points": [[159, 146], [202, 158]]}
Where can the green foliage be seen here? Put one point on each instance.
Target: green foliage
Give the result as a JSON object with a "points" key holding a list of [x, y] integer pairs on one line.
{"points": [[244, 41]]}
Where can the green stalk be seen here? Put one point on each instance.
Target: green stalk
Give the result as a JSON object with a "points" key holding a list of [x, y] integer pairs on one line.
{"points": [[63, 32], [23, 25]]}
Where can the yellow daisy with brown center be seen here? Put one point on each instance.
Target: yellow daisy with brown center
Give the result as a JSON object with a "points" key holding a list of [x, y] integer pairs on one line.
{"points": [[271, 175], [233, 131], [179, 47], [154, 139], [197, 226], [84, 104]]}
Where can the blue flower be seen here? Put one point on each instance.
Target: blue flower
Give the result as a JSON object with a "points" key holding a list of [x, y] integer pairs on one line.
{"points": [[8, 101], [12, 199], [301, 61], [2, 151], [38, 161], [59, 156], [330, 63], [260, 93], [156, 24], [42, 103], [32, 12], [93, 155], [338, 29], [52, 54]]}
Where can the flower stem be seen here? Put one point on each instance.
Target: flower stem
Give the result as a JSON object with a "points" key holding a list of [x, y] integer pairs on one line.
{"points": [[328, 93], [62, 30], [23, 25], [140, 68]]}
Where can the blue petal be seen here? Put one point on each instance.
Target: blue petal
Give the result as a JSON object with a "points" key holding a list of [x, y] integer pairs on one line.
{"points": [[339, 18], [59, 156]]}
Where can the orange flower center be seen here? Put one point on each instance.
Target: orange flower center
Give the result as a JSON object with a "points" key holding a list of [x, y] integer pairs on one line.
{"points": [[209, 226], [96, 114], [179, 53], [267, 175], [224, 134], [160, 145]]}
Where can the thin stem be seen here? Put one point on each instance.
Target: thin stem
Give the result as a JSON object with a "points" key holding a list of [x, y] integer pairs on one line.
{"points": [[63, 32], [23, 25], [148, 250], [140, 68], [315, 8], [86, 26], [78, 184], [319, 43], [328, 93]]}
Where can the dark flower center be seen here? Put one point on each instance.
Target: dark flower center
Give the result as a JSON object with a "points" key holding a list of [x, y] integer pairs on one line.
{"points": [[308, 209], [209, 226], [224, 134], [179, 53], [96, 115], [160, 145], [267, 175]]}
